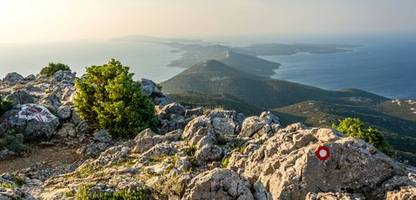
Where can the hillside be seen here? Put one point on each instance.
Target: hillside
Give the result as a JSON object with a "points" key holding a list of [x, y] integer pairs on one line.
{"points": [[293, 102], [214, 77], [195, 53]]}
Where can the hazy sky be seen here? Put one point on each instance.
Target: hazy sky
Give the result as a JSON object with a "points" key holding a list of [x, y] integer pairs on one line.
{"points": [[61, 20]]}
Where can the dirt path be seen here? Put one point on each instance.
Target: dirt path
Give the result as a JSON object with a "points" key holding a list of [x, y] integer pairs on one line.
{"points": [[53, 156]]}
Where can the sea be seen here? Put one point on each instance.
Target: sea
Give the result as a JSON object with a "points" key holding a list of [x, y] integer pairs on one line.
{"points": [[382, 64]]}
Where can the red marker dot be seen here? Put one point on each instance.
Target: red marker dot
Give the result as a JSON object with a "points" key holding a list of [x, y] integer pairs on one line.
{"points": [[322, 153]]}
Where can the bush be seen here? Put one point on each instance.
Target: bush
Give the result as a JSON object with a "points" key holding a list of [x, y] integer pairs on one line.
{"points": [[355, 128], [13, 141], [5, 106], [107, 96], [52, 68], [141, 193]]}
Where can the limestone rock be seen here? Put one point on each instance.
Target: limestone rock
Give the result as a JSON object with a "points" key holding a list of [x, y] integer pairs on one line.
{"points": [[265, 124], [36, 121], [63, 77], [403, 193], [150, 89], [20, 97], [67, 130], [209, 152], [65, 112], [13, 78], [333, 196], [171, 117], [288, 168], [217, 184], [147, 139], [102, 141]]}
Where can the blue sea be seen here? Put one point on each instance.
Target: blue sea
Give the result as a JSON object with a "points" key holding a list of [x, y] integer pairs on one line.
{"points": [[385, 65]]}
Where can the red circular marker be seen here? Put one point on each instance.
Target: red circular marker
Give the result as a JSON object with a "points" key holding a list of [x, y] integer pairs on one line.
{"points": [[322, 153]]}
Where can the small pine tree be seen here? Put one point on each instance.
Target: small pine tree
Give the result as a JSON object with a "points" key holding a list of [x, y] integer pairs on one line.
{"points": [[354, 127], [107, 96], [52, 68]]}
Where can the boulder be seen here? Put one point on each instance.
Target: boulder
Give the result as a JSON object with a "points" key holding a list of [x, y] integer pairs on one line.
{"points": [[103, 136], [403, 193], [102, 141], [65, 112], [194, 112], [52, 101], [30, 77], [63, 77], [265, 124], [334, 196], [171, 117], [20, 97], [147, 139], [219, 123], [209, 153], [251, 125], [286, 165], [67, 130], [34, 120], [13, 78], [149, 87], [217, 184], [172, 108]]}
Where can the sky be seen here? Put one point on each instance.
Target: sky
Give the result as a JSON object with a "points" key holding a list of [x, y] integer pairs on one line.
{"points": [[25, 21]]}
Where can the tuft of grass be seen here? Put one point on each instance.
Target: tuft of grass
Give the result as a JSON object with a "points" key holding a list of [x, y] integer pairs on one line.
{"points": [[86, 171], [190, 151], [7, 185], [225, 161]]}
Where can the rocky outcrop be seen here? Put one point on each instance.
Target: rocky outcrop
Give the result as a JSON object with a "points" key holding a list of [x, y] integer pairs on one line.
{"points": [[12, 78], [287, 167], [34, 121], [403, 193], [194, 153], [102, 140], [151, 89], [265, 124], [333, 196], [218, 184]]}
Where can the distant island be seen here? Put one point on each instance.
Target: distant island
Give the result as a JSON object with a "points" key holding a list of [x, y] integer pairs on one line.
{"points": [[246, 58]]}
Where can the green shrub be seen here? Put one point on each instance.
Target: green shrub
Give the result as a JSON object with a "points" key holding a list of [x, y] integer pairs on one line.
{"points": [[355, 128], [5, 106], [13, 141], [85, 193], [52, 68], [107, 96]]}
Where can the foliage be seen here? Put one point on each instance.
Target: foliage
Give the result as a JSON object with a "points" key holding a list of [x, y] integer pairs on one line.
{"points": [[107, 96], [52, 68], [4, 106], [13, 141], [190, 151], [85, 193], [225, 161], [7, 185], [355, 128]]}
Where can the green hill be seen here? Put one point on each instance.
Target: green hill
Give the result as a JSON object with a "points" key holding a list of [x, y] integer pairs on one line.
{"points": [[215, 84], [214, 77]]}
